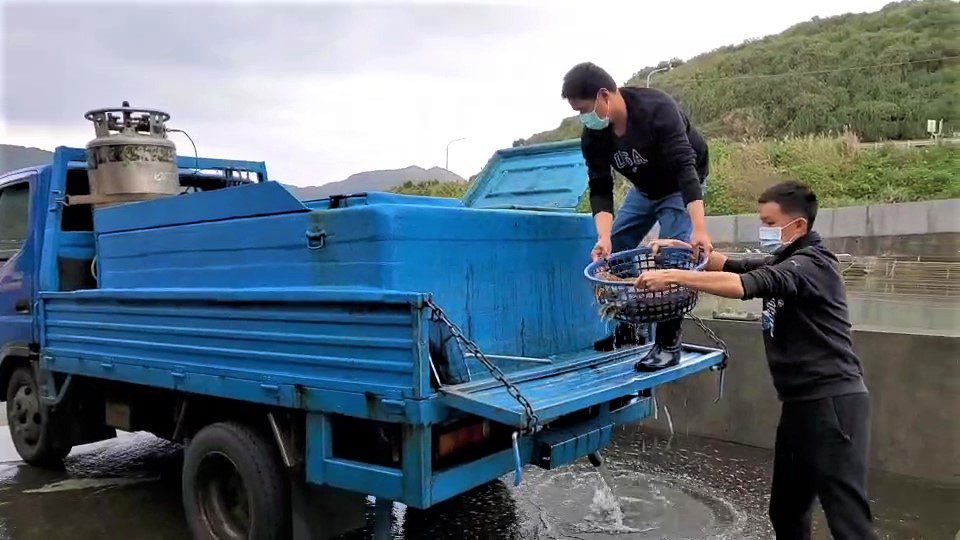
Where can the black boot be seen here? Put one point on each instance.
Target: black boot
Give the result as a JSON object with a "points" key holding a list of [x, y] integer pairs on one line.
{"points": [[659, 357], [624, 335], [666, 351]]}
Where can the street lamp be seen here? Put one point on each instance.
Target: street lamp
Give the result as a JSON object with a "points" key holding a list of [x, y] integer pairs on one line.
{"points": [[447, 162], [668, 68]]}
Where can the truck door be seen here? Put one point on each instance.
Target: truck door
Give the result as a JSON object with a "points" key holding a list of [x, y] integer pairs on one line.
{"points": [[16, 261]]}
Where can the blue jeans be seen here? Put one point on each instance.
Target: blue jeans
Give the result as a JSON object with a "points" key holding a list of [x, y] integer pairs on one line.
{"points": [[634, 220], [638, 214]]}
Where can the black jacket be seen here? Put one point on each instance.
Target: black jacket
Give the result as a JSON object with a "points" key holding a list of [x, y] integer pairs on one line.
{"points": [[660, 153], [806, 327]]}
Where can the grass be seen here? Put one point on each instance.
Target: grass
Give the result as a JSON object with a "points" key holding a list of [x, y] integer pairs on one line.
{"points": [[838, 171]]}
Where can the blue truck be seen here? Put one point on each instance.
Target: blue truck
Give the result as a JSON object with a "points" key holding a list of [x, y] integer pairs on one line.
{"points": [[373, 344]]}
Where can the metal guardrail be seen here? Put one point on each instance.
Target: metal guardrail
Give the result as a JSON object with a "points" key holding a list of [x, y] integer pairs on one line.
{"points": [[895, 276], [885, 293], [914, 143], [888, 276]]}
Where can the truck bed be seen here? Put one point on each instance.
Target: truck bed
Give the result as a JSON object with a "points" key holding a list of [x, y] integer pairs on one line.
{"points": [[282, 346], [350, 353]]}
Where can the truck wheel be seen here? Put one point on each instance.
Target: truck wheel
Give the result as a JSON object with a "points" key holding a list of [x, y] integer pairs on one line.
{"points": [[34, 428], [235, 485]]}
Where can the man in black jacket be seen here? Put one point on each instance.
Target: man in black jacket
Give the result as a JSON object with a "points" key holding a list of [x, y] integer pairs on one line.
{"points": [[823, 436], [643, 135]]}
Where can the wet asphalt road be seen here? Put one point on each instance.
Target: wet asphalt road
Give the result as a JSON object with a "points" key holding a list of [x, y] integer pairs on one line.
{"points": [[680, 487]]}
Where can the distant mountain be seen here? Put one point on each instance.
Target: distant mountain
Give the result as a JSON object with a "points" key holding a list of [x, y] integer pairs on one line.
{"points": [[376, 181], [17, 157], [14, 157]]}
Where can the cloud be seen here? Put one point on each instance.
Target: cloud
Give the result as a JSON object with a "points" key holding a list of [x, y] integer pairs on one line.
{"points": [[322, 90], [61, 58]]}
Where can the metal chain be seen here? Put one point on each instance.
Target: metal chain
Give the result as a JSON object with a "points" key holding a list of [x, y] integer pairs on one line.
{"points": [[722, 366], [713, 337], [468, 347]]}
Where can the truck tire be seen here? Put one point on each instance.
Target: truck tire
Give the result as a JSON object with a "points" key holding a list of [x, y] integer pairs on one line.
{"points": [[235, 485], [34, 428]]}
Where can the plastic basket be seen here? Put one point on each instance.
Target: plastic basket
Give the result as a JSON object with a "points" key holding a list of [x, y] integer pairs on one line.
{"points": [[614, 280]]}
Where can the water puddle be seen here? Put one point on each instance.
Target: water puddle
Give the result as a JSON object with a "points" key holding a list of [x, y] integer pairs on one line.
{"points": [[578, 502], [76, 484], [7, 472], [651, 487]]}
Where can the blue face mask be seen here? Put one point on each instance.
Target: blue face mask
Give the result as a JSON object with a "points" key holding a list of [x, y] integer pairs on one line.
{"points": [[771, 238], [592, 120]]}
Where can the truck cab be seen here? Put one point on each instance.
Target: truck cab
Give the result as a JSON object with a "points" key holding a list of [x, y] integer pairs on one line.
{"points": [[18, 255]]}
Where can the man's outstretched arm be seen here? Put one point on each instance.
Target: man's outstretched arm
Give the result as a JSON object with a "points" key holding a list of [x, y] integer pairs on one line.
{"points": [[725, 284], [782, 280]]}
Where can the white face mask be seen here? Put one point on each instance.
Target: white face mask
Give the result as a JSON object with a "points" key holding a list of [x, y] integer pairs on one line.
{"points": [[771, 238], [592, 120]]}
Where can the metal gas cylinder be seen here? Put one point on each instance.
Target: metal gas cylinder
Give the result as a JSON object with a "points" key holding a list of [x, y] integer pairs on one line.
{"points": [[131, 159]]}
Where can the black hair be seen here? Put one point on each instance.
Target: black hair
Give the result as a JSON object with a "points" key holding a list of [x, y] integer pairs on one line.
{"points": [[585, 81], [795, 199]]}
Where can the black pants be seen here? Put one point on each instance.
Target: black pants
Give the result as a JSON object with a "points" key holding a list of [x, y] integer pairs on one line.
{"points": [[668, 333], [821, 451]]}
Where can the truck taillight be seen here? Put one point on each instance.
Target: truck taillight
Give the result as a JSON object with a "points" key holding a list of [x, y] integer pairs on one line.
{"points": [[456, 439]]}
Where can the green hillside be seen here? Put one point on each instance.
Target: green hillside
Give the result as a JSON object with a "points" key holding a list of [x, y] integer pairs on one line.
{"points": [[800, 100], [433, 188], [840, 172], [880, 75]]}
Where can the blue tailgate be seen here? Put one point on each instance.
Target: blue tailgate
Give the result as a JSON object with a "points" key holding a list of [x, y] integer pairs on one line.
{"points": [[572, 384]]}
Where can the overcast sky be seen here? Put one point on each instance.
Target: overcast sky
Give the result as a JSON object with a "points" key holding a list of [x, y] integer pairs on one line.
{"points": [[323, 90]]}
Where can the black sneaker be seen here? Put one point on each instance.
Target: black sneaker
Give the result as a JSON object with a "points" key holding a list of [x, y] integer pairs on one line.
{"points": [[624, 335], [659, 357]]}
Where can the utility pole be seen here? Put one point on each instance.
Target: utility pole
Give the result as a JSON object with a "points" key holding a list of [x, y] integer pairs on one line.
{"points": [[446, 164], [658, 70]]}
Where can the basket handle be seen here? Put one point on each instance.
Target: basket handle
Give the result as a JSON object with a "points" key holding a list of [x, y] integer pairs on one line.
{"points": [[704, 259]]}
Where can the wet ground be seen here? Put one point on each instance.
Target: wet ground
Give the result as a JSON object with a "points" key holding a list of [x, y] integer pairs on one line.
{"points": [[680, 487]]}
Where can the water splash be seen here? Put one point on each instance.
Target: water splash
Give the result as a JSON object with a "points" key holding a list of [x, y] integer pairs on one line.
{"points": [[606, 497], [579, 502], [666, 411], [607, 504]]}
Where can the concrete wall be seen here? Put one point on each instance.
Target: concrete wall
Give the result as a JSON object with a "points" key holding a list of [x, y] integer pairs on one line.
{"points": [[929, 247], [929, 229], [927, 217], [914, 382]]}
